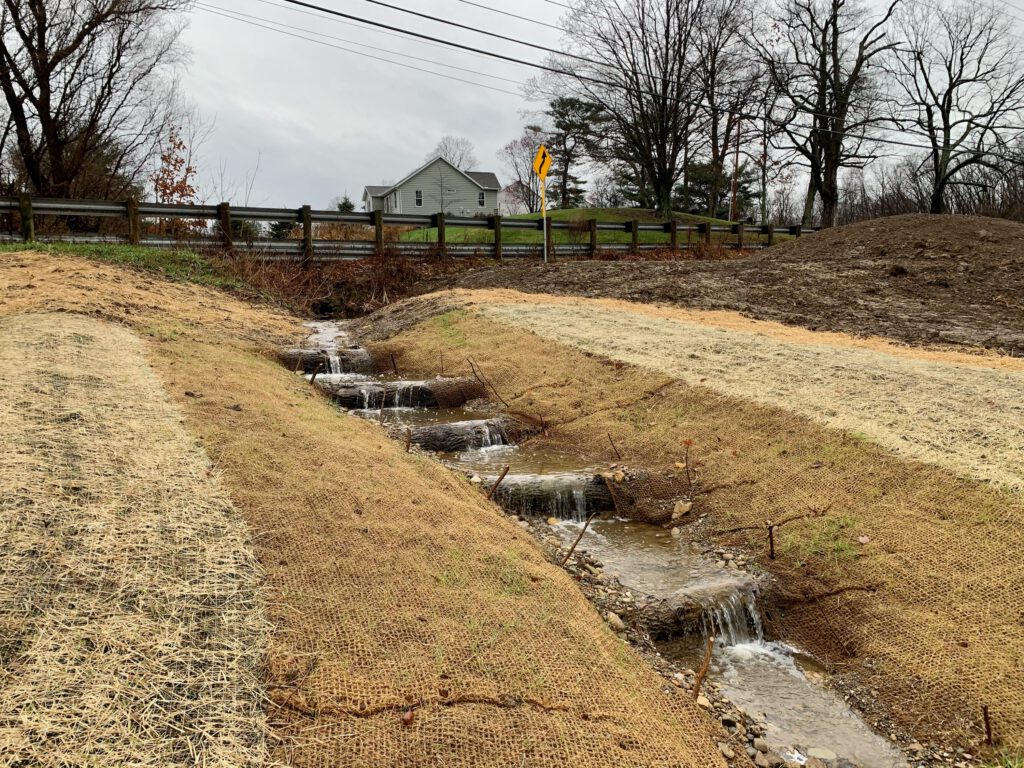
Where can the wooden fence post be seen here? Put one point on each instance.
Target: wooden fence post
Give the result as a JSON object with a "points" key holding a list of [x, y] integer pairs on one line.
{"points": [[796, 230], [306, 214], [673, 235], [442, 237], [224, 217], [633, 227], [551, 238], [592, 227], [771, 234], [134, 223], [737, 229], [28, 225], [494, 222], [378, 231], [704, 228]]}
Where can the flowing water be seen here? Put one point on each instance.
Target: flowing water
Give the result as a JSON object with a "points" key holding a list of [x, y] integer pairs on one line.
{"points": [[770, 681]]}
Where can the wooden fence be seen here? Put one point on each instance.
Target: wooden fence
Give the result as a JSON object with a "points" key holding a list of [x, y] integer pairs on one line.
{"points": [[214, 226]]}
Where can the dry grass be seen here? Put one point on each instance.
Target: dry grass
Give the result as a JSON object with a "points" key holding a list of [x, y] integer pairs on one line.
{"points": [[926, 613], [132, 629]]}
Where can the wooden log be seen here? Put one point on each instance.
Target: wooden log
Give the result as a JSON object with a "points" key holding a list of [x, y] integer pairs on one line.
{"points": [[431, 393], [378, 232], [347, 360], [461, 435], [28, 223], [224, 220], [562, 495], [592, 228], [669, 617]]}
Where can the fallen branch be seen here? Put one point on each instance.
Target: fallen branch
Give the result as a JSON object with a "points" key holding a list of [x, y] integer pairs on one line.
{"points": [[490, 493], [483, 379], [312, 379], [704, 666], [572, 549], [614, 448]]}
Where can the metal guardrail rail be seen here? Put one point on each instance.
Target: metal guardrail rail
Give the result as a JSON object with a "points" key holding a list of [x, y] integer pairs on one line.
{"points": [[220, 220]]}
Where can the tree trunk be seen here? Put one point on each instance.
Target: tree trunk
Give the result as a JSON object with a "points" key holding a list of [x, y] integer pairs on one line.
{"points": [[808, 216]]}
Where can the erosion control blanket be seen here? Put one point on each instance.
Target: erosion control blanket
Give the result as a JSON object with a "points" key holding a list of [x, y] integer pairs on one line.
{"points": [[131, 629]]}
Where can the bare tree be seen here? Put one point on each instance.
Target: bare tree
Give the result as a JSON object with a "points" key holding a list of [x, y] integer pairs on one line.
{"points": [[517, 158], [86, 84], [728, 82], [456, 150], [637, 64], [961, 84], [823, 63]]}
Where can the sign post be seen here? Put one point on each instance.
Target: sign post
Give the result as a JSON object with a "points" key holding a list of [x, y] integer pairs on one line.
{"points": [[541, 166]]}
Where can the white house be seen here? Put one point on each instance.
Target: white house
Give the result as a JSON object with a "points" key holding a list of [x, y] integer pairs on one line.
{"points": [[436, 187]]}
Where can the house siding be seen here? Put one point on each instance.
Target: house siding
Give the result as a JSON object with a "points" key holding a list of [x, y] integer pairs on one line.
{"points": [[435, 181]]}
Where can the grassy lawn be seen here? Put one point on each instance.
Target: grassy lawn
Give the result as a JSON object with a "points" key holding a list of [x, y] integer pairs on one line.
{"points": [[482, 235], [183, 266]]}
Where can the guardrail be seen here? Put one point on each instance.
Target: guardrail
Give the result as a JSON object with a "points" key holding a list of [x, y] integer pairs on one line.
{"points": [[220, 221]]}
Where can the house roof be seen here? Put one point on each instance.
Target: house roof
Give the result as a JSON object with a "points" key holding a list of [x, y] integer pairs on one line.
{"points": [[483, 179]]}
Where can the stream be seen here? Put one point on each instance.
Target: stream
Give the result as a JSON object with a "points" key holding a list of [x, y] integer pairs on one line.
{"points": [[773, 683]]}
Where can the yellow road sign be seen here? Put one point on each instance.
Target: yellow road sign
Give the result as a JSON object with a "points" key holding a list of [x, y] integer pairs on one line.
{"points": [[542, 162]]}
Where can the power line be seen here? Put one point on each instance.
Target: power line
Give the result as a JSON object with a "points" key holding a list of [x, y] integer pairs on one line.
{"points": [[224, 11], [555, 70], [362, 53], [476, 30], [362, 26]]}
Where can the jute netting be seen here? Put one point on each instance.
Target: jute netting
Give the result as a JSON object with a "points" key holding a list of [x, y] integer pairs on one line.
{"points": [[898, 574], [416, 623]]}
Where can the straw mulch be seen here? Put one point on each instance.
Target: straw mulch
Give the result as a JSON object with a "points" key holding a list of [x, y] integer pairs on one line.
{"points": [[131, 624]]}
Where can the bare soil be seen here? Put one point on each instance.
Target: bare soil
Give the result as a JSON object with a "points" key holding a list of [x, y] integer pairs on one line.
{"points": [[919, 279]]}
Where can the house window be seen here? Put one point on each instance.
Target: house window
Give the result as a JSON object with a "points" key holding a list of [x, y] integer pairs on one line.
{"points": [[481, 199], [419, 198]]}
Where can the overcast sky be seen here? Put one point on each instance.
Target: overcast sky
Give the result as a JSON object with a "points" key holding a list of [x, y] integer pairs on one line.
{"points": [[323, 121]]}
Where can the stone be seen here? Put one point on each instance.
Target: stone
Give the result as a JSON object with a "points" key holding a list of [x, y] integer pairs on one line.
{"points": [[677, 532], [553, 521], [619, 477], [703, 701], [681, 509], [775, 760], [760, 744], [821, 753], [728, 556], [615, 621], [476, 479], [915, 747], [727, 752], [760, 760]]}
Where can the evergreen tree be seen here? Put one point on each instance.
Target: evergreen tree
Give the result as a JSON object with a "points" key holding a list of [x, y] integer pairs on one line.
{"points": [[574, 125]]}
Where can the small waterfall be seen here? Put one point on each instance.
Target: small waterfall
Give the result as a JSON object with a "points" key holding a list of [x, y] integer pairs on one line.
{"points": [[735, 619], [491, 434], [334, 363], [365, 392]]}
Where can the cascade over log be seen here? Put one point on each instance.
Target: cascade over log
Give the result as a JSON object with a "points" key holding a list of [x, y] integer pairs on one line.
{"points": [[562, 495], [348, 360], [461, 435], [431, 393]]}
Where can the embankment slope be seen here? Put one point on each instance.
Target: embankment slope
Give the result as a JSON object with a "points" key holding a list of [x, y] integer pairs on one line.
{"points": [[412, 623], [900, 573]]}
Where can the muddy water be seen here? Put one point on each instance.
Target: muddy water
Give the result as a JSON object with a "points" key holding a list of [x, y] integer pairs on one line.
{"points": [[770, 681]]}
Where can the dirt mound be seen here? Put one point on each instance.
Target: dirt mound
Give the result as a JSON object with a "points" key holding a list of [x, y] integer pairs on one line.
{"points": [[933, 279]]}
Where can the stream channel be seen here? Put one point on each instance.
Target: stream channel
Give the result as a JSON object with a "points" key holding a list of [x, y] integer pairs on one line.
{"points": [[771, 682]]}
